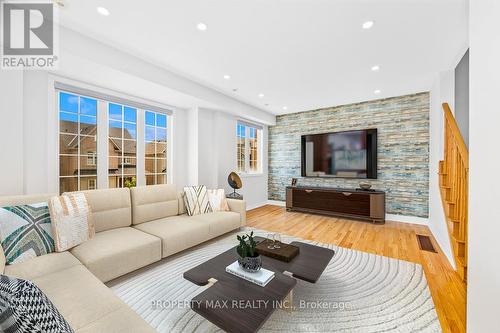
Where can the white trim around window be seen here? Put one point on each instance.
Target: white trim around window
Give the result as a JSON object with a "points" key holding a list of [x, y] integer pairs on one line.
{"points": [[102, 133]]}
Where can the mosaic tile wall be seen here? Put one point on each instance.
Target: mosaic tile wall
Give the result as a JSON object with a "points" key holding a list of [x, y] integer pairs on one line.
{"points": [[403, 149]]}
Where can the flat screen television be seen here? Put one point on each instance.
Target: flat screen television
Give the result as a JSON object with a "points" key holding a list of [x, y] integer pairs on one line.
{"points": [[350, 154]]}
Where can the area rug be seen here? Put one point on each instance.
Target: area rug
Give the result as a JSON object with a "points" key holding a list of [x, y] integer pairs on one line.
{"points": [[358, 292]]}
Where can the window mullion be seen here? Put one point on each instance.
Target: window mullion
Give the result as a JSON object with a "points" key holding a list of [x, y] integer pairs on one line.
{"points": [[102, 144], [141, 149]]}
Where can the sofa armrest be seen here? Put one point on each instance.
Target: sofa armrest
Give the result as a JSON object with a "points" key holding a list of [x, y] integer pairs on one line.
{"points": [[239, 206]]}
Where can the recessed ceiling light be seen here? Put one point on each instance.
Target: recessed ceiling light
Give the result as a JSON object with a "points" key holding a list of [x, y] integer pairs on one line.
{"points": [[227, 77], [285, 108], [103, 11], [201, 26], [367, 24], [376, 68], [261, 95], [235, 89], [267, 104], [377, 91]]}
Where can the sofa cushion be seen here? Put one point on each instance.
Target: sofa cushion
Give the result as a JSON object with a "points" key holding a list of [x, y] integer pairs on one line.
{"points": [[25, 308], [113, 253], [123, 320], [110, 208], [25, 232], [153, 202], [15, 200], [177, 233], [80, 297], [219, 222], [43, 265]]}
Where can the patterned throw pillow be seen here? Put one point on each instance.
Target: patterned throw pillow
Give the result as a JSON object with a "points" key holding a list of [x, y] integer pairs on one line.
{"points": [[25, 308], [218, 201], [72, 222], [25, 232], [196, 200]]}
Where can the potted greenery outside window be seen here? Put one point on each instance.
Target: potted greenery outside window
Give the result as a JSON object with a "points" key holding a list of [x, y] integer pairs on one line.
{"points": [[249, 259]]}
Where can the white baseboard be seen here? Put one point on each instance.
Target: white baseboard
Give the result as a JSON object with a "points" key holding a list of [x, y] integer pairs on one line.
{"points": [[276, 203], [407, 219], [250, 207], [388, 217]]}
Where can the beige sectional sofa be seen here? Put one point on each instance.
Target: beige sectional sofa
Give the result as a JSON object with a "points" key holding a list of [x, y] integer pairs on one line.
{"points": [[134, 228]]}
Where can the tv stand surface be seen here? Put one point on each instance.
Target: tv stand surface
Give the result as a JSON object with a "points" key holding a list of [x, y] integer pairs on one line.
{"points": [[348, 203]]}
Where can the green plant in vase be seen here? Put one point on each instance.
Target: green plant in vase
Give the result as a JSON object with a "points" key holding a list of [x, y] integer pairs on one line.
{"points": [[249, 259]]}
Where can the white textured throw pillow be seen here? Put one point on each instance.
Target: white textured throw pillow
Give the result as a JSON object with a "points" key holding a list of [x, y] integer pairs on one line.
{"points": [[72, 222], [196, 200], [218, 201]]}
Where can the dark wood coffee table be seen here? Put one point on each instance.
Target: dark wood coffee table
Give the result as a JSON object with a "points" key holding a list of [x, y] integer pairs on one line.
{"points": [[236, 305]]}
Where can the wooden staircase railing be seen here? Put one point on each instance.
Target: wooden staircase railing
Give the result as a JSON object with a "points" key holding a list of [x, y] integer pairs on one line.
{"points": [[454, 185]]}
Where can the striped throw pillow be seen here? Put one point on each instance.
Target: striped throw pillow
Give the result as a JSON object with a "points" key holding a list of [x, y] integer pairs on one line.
{"points": [[196, 200]]}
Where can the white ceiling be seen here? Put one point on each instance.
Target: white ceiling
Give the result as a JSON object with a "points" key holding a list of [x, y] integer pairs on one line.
{"points": [[303, 54]]}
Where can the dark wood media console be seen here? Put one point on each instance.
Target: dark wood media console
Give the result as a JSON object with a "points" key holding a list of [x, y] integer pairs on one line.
{"points": [[364, 205]]}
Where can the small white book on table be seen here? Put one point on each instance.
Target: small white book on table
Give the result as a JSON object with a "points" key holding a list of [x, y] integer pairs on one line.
{"points": [[261, 278]]}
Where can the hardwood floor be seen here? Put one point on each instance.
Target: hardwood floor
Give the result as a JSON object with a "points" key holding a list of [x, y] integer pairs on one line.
{"points": [[393, 239]]}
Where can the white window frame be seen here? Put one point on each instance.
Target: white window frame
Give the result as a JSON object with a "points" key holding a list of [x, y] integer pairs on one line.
{"points": [[102, 132], [260, 132]]}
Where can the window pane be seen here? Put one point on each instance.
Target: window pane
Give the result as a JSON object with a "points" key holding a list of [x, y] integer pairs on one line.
{"points": [[161, 179], [161, 134], [150, 180], [115, 111], [115, 129], [68, 165], [68, 144], [114, 181], [129, 114], [88, 183], [88, 106], [68, 184], [129, 148], [150, 118], [161, 165], [161, 120], [87, 143], [149, 149], [88, 125], [150, 165], [129, 131], [129, 181], [68, 102], [68, 122], [114, 166], [115, 147], [86, 168], [161, 150], [150, 133]]}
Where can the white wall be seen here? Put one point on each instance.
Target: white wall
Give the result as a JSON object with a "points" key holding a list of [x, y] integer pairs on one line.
{"points": [[483, 287], [11, 132], [29, 133], [441, 92]]}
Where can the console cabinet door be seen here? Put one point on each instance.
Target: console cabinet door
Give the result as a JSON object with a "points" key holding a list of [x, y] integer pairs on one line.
{"points": [[335, 201]]}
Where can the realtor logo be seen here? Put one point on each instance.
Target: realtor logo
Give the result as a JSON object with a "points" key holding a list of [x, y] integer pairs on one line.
{"points": [[28, 35]]}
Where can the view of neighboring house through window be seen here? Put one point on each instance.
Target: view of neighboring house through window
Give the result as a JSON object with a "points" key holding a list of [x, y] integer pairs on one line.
{"points": [[87, 162], [122, 146], [77, 140], [155, 148], [240, 150], [248, 148]]}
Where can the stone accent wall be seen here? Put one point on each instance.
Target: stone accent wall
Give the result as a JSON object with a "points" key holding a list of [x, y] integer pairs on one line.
{"points": [[403, 149]]}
